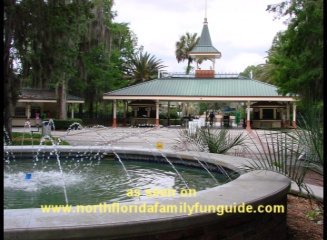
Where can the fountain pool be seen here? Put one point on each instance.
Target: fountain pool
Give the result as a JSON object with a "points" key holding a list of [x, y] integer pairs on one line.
{"points": [[164, 217], [30, 183]]}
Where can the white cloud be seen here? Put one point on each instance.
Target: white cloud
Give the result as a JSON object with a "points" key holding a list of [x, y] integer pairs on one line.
{"points": [[242, 30]]}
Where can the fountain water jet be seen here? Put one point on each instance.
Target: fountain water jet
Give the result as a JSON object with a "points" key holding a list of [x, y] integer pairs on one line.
{"points": [[171, 164], [58, 162]]}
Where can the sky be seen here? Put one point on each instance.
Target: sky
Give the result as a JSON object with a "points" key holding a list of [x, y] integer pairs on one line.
{"points": [[241, 30]]}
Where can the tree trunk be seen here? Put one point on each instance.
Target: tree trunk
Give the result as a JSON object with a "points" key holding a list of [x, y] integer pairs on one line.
{"points": [[90, 109], [80, 110], [188, 68], [62, 99], [8, 34], [7, 96]]}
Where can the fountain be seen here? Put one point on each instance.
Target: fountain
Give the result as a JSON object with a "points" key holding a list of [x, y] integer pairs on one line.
{"points": [[212, 213]]}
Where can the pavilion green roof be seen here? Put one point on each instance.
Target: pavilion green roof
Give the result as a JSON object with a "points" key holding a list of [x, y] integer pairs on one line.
{"points": [[213, 87]]}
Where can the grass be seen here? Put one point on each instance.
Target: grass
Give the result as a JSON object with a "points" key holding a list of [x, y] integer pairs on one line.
{"points": [[25, 139]]}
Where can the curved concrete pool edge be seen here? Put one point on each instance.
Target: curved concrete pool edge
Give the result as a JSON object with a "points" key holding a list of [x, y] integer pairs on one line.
{"points": [[255, 188]]}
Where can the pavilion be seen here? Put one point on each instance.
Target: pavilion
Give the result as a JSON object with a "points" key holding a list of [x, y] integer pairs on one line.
{"points": [[270, 109], [31, 101]]}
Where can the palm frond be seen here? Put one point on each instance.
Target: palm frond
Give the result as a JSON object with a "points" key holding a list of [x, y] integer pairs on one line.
{"points": [[214, 141], [292, 153]]}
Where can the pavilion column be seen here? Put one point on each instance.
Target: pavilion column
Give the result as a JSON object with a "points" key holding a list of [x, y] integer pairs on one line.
{"points": [[157, 113], [283, 117], [260, 113], [135, 111], [248, 121], [168, 114], [72, 111], [28, 110], [287, 115], [294, 115], [125, 110], [274, 113], [148, 112], [183, 109], [114, 117]]}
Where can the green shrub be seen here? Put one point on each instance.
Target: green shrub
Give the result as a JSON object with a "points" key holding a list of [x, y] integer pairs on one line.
{"points": [[172, 121], [65, 124], [175, 122], [173, 114]]}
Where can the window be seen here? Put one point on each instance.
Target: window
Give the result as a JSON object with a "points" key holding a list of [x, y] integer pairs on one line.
{"points": [[268, 114], [19, 112], [35, 109], [256, 114]]}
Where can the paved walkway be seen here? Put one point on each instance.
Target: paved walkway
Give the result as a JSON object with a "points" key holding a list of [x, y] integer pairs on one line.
{"points": [[150, 138]]}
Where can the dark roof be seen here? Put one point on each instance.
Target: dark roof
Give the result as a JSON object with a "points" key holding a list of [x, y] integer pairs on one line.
{"points": [[40, 95], [267, 104], [142, 103]]}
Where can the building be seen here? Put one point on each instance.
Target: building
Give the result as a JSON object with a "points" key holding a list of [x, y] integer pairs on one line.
{"points": [[270, 108], [31, 101]]}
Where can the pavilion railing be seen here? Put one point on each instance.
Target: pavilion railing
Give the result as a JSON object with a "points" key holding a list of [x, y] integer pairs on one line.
{"points": [[192, 75]]}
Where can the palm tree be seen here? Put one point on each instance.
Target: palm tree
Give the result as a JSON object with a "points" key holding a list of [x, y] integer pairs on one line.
{"points": [[185, 44], [145, 67], [266, 71], [193, 108]]}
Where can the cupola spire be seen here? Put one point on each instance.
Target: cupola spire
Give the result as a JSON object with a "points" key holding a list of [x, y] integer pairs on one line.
{"points": [[204, 50]]}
